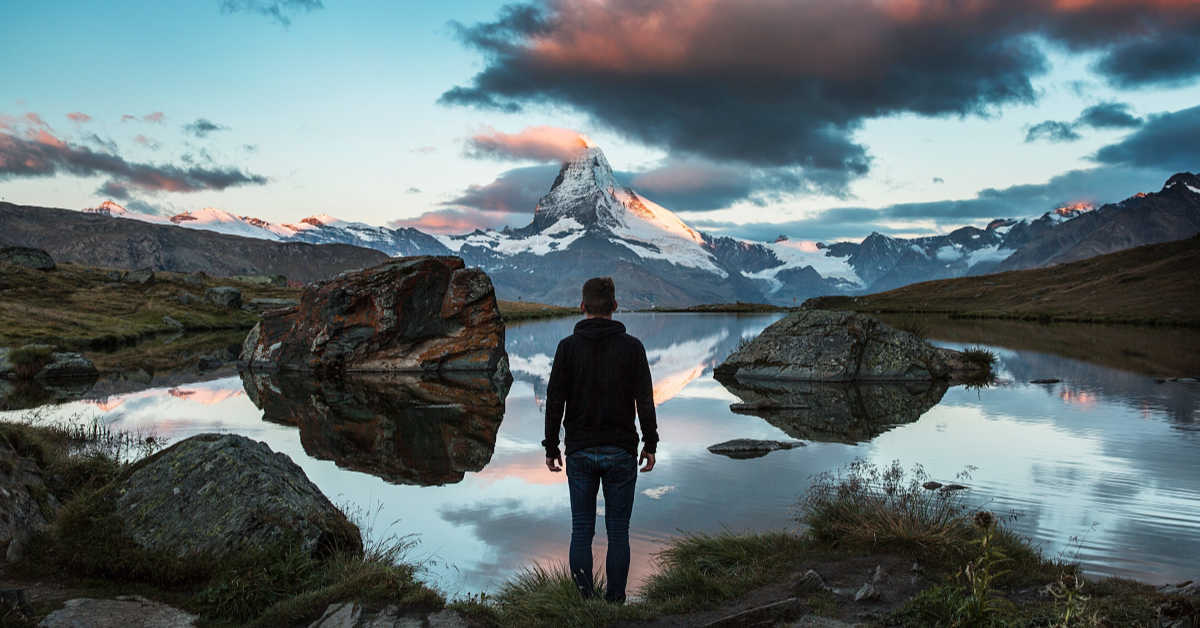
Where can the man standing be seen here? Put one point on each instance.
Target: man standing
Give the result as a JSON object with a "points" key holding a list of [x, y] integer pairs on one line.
{"points": [[600, 375]]}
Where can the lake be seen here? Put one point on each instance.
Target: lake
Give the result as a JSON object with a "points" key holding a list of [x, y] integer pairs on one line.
{"points": [[1102, 467]]}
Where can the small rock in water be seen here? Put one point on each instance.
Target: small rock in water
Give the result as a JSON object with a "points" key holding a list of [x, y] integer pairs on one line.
{"points": [[1187, 380], [931, 486], [742, 448], [1048, 380], [866, 592]]}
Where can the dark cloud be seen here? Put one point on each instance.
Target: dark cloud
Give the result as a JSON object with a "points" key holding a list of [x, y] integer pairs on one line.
{"points": [[103, 142], [250, 148], [144, 207], [1109, 115], [114, 189], [281, 11], [1098, 185], [788, 83], [202, 127], [1155, 60], [516, 190], [1106, 115], [1052, 130], [42, 154], [1168, 141], [938, 180]]}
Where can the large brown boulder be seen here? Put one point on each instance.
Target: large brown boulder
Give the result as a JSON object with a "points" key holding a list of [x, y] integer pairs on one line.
{"points": [[413, 314], [833, 346]]}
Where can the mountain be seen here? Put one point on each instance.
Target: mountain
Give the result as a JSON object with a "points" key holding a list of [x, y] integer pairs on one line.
{"points": [[1154, 283], [320, 229], [588, 224], [1170, 214], [103, 237]]}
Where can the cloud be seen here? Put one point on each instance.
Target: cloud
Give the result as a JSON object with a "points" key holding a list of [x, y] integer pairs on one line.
{"points": [[516, 190], [535, 143], [202, 127], [789, 82], [1106, 115], [250, 148], [157, 117], [148, 142], [424, 150], [1109, 115], [1098, 185], [280, 11], [79, 117], [413, 190], [105, 143], [938, 180], [1052, 130], [460, 220], [114, 189], [1167, 141], [41, 154]]}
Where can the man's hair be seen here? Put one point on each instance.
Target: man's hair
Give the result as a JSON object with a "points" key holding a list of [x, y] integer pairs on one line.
{"points": [[599, 296]]}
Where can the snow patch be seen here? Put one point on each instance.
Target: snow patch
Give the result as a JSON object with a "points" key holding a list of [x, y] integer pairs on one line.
{"points": [[798, 254], [988, 254], [948, 253]]}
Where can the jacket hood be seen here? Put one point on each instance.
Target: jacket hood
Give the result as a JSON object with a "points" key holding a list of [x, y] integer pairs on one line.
{"points": [[598, 328]]}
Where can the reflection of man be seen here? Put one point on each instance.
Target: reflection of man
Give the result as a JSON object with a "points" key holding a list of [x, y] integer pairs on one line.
{"points": [[600, 374]]}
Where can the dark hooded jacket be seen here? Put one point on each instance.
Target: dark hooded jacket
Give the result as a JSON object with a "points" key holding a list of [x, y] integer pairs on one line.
{"points": [[600, 377]]}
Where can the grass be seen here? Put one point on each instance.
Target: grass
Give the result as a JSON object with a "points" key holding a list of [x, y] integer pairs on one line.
{"points": [[271, 586], [979, 356], [736, 307], [512, 311], [80, 307], [1147, 285]]}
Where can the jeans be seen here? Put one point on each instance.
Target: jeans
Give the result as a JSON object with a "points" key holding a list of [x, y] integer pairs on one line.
{"points": [[587, 470]]}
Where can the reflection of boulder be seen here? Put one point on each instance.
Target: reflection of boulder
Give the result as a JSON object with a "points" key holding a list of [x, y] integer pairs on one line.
{"points": [[828, 346], [847, 413], [404, 428], [412, 314]]}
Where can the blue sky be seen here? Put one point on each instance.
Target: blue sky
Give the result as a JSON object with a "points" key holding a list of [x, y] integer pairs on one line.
{"points": [[345, 111]]}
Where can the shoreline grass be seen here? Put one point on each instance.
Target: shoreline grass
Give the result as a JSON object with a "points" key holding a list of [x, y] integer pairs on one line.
{"points": [[514, 311]]}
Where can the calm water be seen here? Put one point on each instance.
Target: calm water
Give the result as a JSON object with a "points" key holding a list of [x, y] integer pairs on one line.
{"points": [[1107, 457]]}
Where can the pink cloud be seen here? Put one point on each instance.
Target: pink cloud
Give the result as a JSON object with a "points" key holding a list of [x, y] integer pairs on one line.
{"points": [[80, 117], [539, 143], [127, 117], [454, 221], [36, 119], [157, 117]]}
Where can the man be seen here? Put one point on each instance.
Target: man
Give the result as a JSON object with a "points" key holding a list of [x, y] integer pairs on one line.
{"points": [[600, 375]]}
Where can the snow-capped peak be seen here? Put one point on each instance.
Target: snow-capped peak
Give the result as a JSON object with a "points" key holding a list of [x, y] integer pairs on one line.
{"points": [[1070, 210], [584, 190]]}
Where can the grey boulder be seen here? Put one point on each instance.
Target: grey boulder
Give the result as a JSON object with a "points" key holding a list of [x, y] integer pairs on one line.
{"points": [[26, 505], [833, 346], [224, 296], [67, 365], [222, 494], [121, 612]]}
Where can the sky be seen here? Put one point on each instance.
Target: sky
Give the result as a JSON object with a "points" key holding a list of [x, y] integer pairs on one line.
{"points": [[815, 119]]}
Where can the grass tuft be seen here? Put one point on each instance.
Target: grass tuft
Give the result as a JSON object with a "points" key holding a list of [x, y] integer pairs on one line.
{"points": [[546, 596]]}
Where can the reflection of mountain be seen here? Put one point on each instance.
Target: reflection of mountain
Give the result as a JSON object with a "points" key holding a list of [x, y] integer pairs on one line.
{"points": [[847, 413], [403, 428], [680, 347]]}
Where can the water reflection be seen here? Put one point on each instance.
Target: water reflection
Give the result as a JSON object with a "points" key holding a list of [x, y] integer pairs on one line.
{"points": [[406, 429], [1106, 455], [834, 412]]}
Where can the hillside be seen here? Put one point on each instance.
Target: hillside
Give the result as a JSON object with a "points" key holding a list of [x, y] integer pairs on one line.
{"points": [[98, 240], [1154, 284]]}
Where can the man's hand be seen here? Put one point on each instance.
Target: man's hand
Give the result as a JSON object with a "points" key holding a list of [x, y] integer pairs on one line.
{"points": [[554, 464], [647, 458]]}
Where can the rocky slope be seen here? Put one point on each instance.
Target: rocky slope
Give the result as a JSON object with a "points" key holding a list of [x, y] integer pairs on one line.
{"points": [[95, 239]]}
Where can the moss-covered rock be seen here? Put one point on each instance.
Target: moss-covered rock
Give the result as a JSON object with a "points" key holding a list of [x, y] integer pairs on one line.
{"points": [[219, 495]]}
